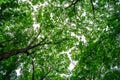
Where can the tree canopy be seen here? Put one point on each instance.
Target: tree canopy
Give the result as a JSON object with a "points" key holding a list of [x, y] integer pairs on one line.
{"points": [[59, 39]]}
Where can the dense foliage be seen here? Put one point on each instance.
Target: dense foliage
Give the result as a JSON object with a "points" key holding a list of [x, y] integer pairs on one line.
{"points": [[59, 39]]}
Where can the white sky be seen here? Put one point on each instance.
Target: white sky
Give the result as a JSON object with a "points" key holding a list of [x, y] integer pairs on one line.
{"points": [[18, 71]]}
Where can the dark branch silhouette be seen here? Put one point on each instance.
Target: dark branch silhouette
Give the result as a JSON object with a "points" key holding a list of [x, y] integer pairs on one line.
{"points": [[7, 40], [35, 38], [6, 55], [2, 42], [93, 8], [9, 71], [33, 68], [74, 2], [45, 75]]}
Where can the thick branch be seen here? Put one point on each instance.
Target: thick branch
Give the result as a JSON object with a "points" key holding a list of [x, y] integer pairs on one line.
{"points": [[6, 55]]}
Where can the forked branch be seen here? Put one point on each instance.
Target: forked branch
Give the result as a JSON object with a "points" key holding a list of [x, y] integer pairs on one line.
{"points": [[6, 55], [74, 2]]}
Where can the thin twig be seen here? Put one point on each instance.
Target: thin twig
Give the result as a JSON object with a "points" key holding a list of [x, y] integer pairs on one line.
{"points": [[74, 2], [45, 75], [33, 68], [35, 38], [93, 8], [2, 42]]}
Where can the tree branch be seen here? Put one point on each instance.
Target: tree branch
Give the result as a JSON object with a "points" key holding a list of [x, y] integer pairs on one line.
{"points": [[74, 2], [45, 75], [93, 8], [11, 68], [6, 55], [33, 68], [35, 38], [2, 43], [7, 40]]}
